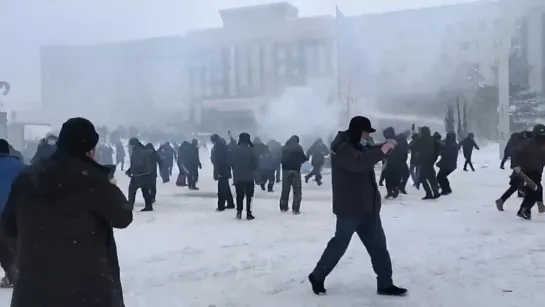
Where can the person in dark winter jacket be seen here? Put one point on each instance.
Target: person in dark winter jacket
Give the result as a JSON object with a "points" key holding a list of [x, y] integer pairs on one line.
{"points": [[261, 150], [292, 159], [120, 154], [317, 153], [428, 149], [156, 162], [514, 141], [275, 149], [396, 165], [167, 154], [468, 144], [10, 168], [46, 148], [448, 162], [220, 159], [104, 154], [356, 203], [183, 152], [244, 164], [529, 156], [193, 164], [141, 174], [62, 211], [414, 164]]}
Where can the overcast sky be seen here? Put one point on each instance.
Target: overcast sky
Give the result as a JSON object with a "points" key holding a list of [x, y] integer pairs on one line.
{"points": [[27, 24]]}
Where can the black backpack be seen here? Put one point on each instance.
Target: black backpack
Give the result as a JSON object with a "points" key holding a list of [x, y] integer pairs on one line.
{"points": [[141, 161]]}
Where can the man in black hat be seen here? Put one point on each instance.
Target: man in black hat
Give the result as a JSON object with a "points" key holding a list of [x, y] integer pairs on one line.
{"points": [[62, 211], [356, 203]]}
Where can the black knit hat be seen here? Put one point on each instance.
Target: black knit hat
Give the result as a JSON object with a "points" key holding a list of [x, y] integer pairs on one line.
{"points": [[77, 137]]}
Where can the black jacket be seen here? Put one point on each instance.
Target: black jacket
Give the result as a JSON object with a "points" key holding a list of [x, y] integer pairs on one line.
{"points": [[468, 144], [449, 153], [62, 212], [428, 149], [400, 154], [167, 154], [293, 156], [317, 153], [192, 159], [530, 156], [244, 163], [220, 159], [44, 151], [355, 190]]}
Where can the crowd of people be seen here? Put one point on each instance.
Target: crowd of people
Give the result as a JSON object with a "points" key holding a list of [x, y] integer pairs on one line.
{"points": [[42, 228]]}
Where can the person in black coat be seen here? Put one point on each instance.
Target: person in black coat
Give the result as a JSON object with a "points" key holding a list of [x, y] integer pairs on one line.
{"points": [[156, 162], [317, 153], [167, 154], [220, 159], [62, 211], [244, 164], [141, 173], [292, 159], [428, 150], [193, 164], [514, 141], [356, 204], [183, 152], [413, 162], [468, 144], [120, 154], [448, 162]]}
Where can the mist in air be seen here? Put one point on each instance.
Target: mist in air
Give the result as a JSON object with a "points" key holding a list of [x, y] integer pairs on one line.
{"points": [[134, 64]]}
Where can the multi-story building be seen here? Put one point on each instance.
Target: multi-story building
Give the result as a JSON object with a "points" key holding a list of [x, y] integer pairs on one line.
{"points": [[114, 83], [238, 69]]}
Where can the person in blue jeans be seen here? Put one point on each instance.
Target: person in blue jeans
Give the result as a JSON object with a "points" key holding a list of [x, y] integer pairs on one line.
{"points": [[356, 203]]}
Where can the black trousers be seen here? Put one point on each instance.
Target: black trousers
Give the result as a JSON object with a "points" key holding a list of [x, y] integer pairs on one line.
{"points": [[245, 190], [371, 234], [428, 179], [415, 174], [442, 180], [405, 174], [267, 178], [392, 176], [144, 183], [278, 172], [7, 260], [165, 172], [468, 163], [192, 176], [224, 194], [316, 172], [515, 184], [531, 196]]}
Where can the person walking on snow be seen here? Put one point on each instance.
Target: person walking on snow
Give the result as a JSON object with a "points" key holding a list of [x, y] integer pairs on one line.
{"points": [[244, 166], [468, 144], [356, 203]]}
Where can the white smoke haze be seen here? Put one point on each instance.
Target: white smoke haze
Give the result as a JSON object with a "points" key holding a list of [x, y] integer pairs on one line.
{"points": [[308, 111], [407, 62]]}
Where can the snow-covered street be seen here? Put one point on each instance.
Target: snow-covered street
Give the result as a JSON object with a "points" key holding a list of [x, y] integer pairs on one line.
{"points": [[456, 251]]}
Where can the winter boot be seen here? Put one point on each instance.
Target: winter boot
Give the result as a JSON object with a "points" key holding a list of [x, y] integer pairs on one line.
{"points": [[525, 214], [249, 216], [262, 185], [239, 215], [317, 285], [540, 207], [6, 283], [392, 291], [147, 209], [499, 204]]}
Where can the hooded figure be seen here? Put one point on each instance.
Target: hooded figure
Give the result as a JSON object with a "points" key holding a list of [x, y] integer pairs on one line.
{"points": [[292, 158], [317, 153], [167, 155], [468, 144], [62, 212], [428, 150], [396, 164], [514, 141], [141, 173], [221, 161], [244, 164], [192, 164], [356, 204], [448, 162]]}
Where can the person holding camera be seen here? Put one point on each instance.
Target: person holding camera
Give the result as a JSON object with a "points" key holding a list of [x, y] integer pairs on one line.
{"points": [[357, 203]]}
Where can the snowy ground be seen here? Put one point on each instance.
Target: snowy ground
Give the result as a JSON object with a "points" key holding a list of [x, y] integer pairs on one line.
{"points": [[457, 251]]}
